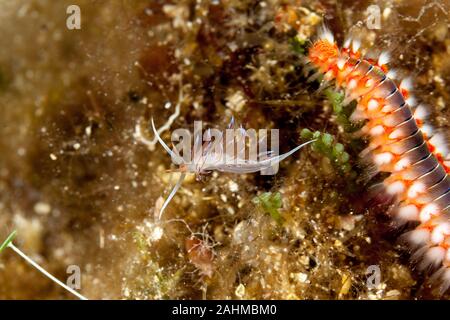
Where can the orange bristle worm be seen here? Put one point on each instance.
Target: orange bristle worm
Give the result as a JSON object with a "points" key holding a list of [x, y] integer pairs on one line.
{"points": [[400, 143]]}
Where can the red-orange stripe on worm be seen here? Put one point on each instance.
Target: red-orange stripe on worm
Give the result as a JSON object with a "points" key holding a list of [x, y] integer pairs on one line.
{"points": [[399, 143]]}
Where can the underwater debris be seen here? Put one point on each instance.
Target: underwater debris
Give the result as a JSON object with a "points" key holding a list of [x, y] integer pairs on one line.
{"points": [[138, 133], [151, 281], [200, 254]]}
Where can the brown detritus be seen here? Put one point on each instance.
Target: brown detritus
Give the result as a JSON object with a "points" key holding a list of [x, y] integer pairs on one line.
{"points": [[200, 255]]}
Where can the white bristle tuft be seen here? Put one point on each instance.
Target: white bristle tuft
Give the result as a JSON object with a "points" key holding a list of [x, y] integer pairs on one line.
{"points": [[347, 42], [383, 158], [416, 189], [437, 275], [392, 74], [427, 130], [427, 212], [372, 105], [411, 101], [407, 84], [418, 255], [341, 63], [377, 130], [396, 133], [384, 58], [395, 187], [402, 164], [445, 278], [432, 257], [326, 34], [417, 237], [439, 142], [447, 163], [421, 112], [356, 44], [408, 213], [440, 232], [352, 84]]}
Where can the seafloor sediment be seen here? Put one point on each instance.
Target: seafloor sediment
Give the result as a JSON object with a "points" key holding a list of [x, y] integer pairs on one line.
{"points": [[80, 186]]}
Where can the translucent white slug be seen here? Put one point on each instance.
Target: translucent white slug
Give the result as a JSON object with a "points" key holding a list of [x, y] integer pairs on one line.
{"points": [[212, 157]]}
